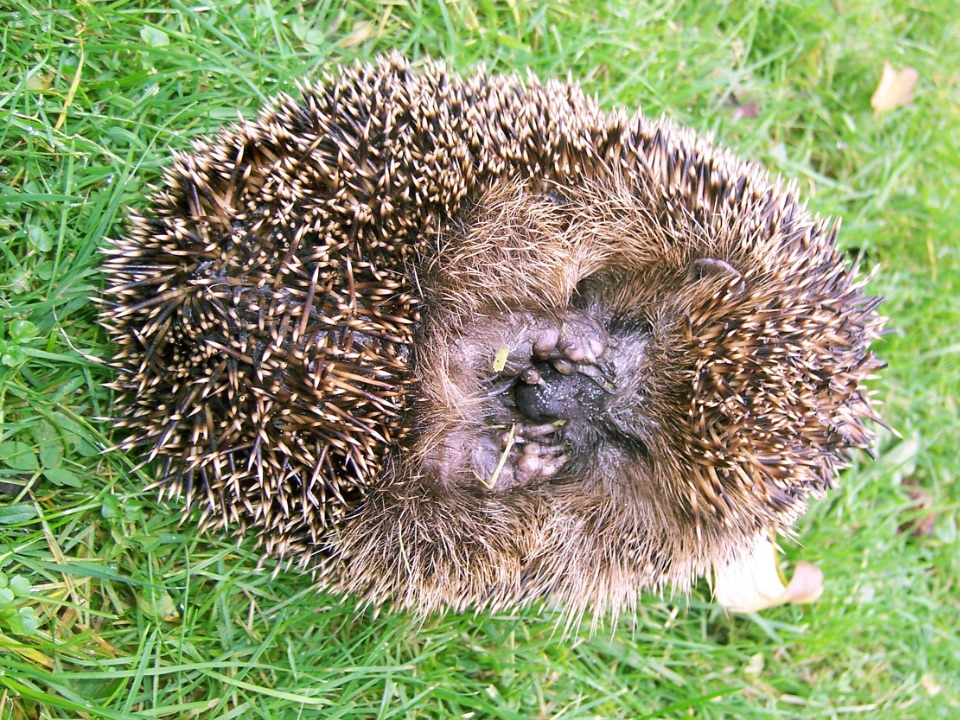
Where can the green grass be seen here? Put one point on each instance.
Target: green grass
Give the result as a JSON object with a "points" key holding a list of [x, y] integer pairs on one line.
{"points": [[115, 610]]}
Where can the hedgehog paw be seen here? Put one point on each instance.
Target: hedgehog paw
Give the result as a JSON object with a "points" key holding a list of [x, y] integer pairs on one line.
{"points": [[570, 340], [523, 455]]}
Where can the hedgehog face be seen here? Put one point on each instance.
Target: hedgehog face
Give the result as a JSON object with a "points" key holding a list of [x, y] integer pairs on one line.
{"points": [[609, 421], [568, 370]]}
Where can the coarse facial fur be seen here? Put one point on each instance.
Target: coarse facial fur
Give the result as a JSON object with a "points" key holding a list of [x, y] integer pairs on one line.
{"points": [[473, 342]]}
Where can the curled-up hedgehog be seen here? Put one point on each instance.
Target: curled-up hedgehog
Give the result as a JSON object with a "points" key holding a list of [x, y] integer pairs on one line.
{"points": [[472, 341]]}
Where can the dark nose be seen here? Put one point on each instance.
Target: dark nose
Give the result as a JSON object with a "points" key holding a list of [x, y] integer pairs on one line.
{"points": [[559, 396]]}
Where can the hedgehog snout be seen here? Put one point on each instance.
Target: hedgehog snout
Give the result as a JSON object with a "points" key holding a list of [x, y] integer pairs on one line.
{"points": [[555, 395]]}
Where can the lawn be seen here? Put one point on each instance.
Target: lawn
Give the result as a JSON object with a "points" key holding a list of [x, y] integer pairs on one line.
{"points": [[111, 608]]}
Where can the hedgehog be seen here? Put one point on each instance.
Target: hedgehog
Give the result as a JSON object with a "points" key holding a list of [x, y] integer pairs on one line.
{"points": [[458, 342]]}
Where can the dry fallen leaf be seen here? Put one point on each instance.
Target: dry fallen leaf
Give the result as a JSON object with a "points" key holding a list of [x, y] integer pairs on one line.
{"points": [[742, 107], [37, 81], [756, 664], [753, 583], [925, 520], [500, 361], [806, 585], [895, 89], [930, 685], [747, 110], [362, 31]]}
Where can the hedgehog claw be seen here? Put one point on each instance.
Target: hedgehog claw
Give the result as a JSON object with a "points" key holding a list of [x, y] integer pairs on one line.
{"points": [[578, 339], [520, 456], [525, 431]]}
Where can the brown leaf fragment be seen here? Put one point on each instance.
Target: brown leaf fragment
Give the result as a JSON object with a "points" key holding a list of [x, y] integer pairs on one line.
{"points": [[806, 585], [895, 89], [741, 107], [362, 32], [922, 523]]}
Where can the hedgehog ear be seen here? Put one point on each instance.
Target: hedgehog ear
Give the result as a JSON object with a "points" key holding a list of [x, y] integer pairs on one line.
{"points": [[716, 268]]}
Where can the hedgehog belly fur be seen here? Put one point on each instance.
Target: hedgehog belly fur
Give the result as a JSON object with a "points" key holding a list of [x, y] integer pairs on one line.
{"points": [[474, 342]]}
